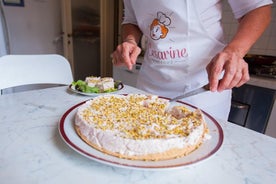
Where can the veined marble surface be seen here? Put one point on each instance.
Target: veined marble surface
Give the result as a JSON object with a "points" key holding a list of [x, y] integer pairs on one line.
{"points": [[32, 151], [264, 82]]}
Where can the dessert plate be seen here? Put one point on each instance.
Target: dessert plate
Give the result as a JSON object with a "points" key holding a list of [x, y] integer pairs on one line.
{"points": [[72, 88], [206, 150]]}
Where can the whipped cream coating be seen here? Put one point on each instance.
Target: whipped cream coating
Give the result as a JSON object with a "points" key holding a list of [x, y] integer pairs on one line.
{"points": [[111, 139]]}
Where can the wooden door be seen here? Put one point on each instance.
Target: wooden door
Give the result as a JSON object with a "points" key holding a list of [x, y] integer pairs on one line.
{"points": [[67, 32], [108, 31]]}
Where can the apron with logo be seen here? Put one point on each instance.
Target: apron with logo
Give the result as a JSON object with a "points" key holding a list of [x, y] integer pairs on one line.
{"points": [[178, 51]]}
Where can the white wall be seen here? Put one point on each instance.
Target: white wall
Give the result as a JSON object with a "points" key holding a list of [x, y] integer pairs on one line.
{"points": [[34, 27]]}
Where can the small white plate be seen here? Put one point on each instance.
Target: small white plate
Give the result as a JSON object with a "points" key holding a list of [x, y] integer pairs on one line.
{"points": [[206, 150], [72, 88]]}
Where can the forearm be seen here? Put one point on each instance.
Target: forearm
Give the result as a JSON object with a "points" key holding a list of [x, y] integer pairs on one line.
{"points": [[131, 33], [250, 28]]}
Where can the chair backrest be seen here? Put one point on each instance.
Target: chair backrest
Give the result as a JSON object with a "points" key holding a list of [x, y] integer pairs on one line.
{"points": [[18, 70]]}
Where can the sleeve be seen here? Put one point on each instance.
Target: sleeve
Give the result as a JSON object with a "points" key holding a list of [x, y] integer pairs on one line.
{"points": [[129, 14], [241, 7]]}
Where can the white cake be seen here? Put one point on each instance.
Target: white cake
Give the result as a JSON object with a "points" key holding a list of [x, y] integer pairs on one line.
{"points": [[104, 83], [92, 81], [139, 127]]}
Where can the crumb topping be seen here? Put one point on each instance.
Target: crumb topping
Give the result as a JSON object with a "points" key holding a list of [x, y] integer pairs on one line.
{"points": [[140, 116]]}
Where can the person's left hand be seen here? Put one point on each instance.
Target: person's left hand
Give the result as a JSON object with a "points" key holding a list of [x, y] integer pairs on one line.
{"points": [[126, 54], [234, 67]]}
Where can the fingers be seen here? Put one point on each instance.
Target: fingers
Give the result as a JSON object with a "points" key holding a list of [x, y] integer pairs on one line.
{"points": [[245, 75], [126, 54], [214, 70], [135, 53], [234, 70]]}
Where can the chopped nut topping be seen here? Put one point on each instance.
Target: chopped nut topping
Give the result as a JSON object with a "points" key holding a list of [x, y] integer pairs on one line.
{"points": [[140, 116]]}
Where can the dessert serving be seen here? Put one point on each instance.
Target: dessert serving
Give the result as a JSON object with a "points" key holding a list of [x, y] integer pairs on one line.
{"points": [[140, 127], [94, 84]]}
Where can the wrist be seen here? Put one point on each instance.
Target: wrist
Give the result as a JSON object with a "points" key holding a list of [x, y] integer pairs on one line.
{"points": [[132, 41], [239, 52]]}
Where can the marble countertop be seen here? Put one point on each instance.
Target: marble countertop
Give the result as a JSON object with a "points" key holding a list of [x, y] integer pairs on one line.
{"points": [[32, 151], [264, 82]]}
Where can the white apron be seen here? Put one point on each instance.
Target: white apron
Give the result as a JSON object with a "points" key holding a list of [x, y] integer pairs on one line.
{"points": [[178, 51]]}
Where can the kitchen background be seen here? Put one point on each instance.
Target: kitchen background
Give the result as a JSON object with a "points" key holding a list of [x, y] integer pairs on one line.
{"points": [[37, 26], [86, 32], [72, 28]]}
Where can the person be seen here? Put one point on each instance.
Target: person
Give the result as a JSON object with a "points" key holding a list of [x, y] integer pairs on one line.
{"points": [[185, 48]]}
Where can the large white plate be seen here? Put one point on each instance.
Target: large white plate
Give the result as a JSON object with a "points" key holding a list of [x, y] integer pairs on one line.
{"points": [[72, 88], [207, 149]]}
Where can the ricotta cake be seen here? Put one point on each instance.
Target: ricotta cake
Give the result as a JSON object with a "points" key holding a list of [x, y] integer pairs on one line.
{"points": [[104, 83], [140, 127]]}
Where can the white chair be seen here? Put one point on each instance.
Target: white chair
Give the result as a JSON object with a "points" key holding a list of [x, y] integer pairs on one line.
{"points": [[19, 70]]}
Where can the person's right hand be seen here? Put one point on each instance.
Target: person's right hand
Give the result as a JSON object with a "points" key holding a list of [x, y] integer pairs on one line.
{"points": [[126, 54], [234, 67]]}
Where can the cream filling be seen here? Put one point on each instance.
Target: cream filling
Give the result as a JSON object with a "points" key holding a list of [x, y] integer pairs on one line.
{"points": [[110, 140]]}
